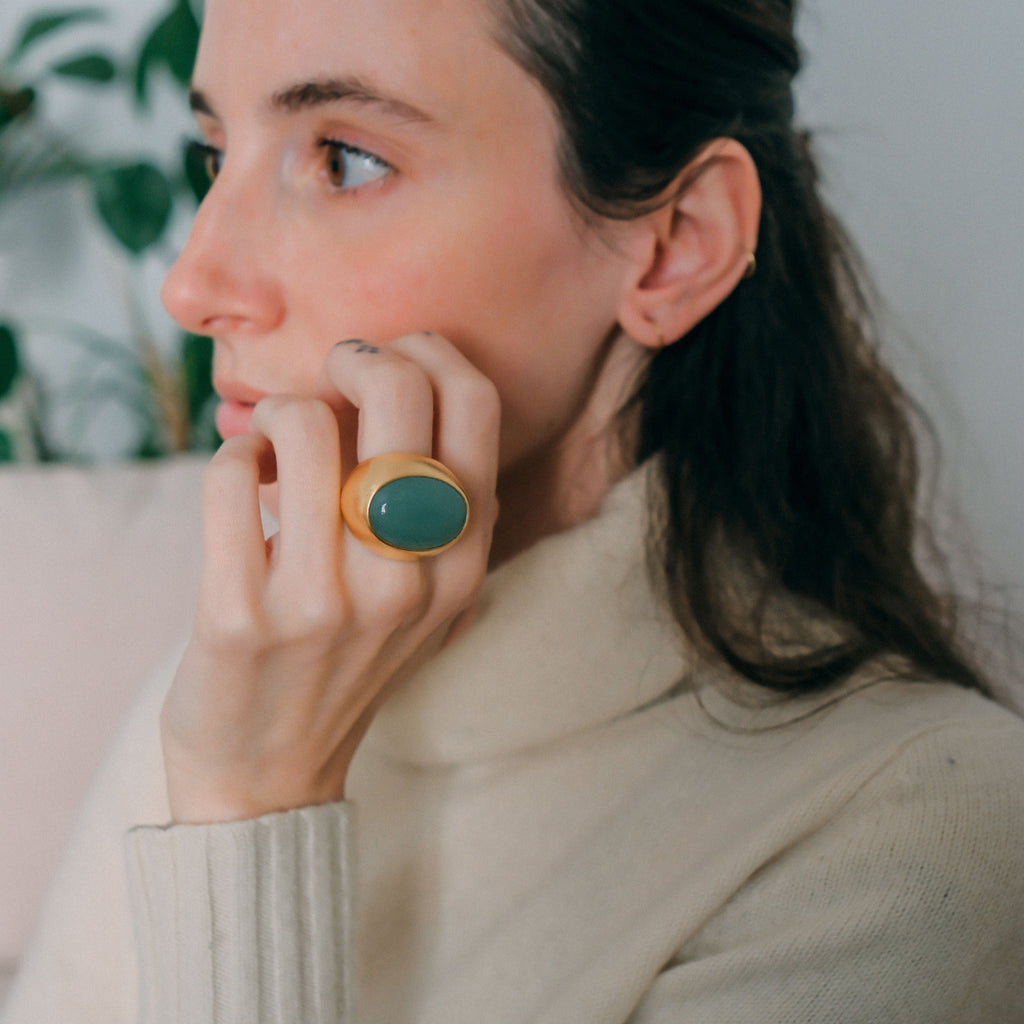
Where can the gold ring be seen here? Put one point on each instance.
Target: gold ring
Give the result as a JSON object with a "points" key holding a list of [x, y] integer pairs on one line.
{"points": [[404, 506]]}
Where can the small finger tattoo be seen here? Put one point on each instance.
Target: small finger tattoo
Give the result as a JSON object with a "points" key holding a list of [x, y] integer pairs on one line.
{"points": [[361, 346]]}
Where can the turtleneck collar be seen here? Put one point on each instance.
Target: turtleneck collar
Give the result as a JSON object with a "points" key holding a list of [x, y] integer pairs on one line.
{"points": [[569, 635]]}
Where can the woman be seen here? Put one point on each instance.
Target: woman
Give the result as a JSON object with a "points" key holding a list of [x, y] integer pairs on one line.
{"points": [[574, 253]]}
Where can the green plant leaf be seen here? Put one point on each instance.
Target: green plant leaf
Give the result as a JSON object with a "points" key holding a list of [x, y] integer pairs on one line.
{"points": [[42, 25], [134, 202], [6, 447], [171, 44], [150, 447], [92, 67], [197, 367], [15, 103], [10, 363]]}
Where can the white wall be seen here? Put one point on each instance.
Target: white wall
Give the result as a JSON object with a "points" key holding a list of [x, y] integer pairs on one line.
{"points": [[919, 106]]}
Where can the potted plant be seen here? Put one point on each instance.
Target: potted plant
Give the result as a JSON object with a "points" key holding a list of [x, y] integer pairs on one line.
{"points": [[133, 200]]}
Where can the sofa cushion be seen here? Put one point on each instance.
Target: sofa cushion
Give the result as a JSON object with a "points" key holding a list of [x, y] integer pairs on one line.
{"points": [[99, 570]]}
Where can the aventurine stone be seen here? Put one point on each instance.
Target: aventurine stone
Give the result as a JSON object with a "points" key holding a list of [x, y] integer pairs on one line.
{"points": [[417, 513]]}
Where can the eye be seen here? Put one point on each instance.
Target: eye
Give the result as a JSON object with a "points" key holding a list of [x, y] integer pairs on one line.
{"points": [[348, 167], [202, 162]]}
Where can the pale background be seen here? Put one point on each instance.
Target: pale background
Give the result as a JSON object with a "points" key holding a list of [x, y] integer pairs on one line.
{"points": [[918, 111]]}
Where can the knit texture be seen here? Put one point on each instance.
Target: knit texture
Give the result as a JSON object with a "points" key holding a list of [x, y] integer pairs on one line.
{"points": [[223, 912]]}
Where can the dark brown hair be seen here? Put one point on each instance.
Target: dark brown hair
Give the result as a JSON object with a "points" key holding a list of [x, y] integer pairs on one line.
{"points": [[787, 455]]}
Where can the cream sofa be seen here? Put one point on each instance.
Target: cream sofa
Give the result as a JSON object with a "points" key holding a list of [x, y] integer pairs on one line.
{"points": [[99, 568]]}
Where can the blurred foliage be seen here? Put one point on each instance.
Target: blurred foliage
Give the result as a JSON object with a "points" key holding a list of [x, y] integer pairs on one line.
{"points": [[9, 362], [134, 201]]}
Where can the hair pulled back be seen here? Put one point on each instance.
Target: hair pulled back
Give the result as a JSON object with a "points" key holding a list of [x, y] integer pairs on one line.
{"points": [[786, 448]]}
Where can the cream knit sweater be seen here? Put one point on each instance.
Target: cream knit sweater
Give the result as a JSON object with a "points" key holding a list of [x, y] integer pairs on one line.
{"points": [[544, 826]]}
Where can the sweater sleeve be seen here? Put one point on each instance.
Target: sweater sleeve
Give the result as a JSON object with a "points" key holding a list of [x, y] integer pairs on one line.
{"points": [[192, 909], [908, 906], [246, 921]]}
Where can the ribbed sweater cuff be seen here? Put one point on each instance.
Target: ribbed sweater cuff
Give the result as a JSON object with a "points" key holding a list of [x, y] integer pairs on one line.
{"points": [[245, 921]]}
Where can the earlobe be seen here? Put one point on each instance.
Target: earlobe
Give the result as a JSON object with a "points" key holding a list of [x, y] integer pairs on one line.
{"points": [[693, 250]]}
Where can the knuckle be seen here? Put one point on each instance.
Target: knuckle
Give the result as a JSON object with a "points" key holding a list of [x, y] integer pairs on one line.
{"points": [[234, 632], [241, 632], [317, 617], [397, 598]]}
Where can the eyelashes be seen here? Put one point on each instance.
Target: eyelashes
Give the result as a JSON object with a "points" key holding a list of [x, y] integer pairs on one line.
{"points": [[345, 167]]}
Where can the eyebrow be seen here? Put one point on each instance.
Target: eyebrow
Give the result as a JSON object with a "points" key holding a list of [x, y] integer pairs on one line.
{"points": [[323, 92]]}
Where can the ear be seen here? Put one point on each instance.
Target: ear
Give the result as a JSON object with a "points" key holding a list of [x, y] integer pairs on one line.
{"points": [[690, 253]]}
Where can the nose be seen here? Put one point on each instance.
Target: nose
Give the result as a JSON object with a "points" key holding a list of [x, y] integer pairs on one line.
{"points": [[221, 282]]}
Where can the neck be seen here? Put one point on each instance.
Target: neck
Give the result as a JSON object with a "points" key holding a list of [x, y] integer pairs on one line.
{"points": [[565, 483]]}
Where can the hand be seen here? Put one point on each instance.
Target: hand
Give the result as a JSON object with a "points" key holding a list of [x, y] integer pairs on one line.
{"points": [[297, 639]]}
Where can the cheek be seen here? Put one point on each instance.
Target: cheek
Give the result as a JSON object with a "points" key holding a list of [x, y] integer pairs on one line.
{"points": [[517, 289], [375, 288]]}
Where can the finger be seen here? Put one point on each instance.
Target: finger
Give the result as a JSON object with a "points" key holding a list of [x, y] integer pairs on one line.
{"points": [[467, 411], [234, 554], [394, 398], [467, 427], [304, 435]]}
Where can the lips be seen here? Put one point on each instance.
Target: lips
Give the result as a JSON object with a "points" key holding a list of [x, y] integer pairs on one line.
{"points": [[234, 418], [234, 414]]}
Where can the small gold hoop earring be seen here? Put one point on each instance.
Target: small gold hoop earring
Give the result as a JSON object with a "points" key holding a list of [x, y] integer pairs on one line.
{"points": [[751, 266]]}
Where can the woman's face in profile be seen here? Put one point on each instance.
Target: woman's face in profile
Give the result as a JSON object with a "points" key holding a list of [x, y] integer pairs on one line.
{"points": [[384, 168]]}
